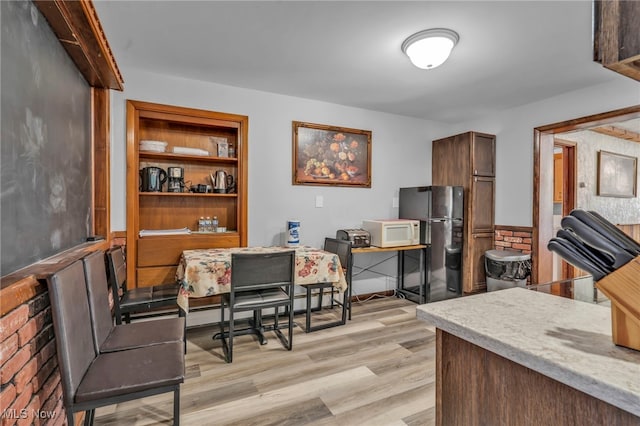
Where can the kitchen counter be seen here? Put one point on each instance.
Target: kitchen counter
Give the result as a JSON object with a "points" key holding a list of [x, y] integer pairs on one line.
{"points": [[564, 340]]}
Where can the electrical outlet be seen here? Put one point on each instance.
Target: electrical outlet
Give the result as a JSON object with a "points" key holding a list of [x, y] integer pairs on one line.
{"points": [[319, 201], [395, 202]]}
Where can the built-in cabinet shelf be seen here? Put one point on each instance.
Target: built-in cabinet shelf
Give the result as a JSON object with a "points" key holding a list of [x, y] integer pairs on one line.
{"points": [[184, 194], [154, 259], [468, 160]]}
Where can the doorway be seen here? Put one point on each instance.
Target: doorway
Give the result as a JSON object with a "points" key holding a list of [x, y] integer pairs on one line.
{"points": [[543, 151]]}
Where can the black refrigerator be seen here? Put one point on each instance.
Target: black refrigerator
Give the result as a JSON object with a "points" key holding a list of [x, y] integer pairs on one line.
{"points": [[440, 210]]}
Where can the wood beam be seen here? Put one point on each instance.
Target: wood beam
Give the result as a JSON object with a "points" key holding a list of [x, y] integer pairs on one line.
{"points": [[76, 25], [618, 132]]}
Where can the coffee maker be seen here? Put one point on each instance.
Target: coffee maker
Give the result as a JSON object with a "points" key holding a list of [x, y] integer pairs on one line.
{"points": [[175, 179]]}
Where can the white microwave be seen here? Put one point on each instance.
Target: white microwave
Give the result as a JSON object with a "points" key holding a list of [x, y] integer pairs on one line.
{"points": [[393, 232]]}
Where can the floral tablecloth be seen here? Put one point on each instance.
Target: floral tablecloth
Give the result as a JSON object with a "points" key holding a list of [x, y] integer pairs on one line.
{"points": [[207, 272]]}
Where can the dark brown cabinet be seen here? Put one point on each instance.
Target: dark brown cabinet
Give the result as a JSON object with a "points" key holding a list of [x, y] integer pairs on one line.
{"points": [[474, 258], [616, 39], [483, 158], [482, 192], [468, 160]]}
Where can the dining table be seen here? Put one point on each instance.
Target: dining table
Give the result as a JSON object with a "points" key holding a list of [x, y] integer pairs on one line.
{"points": [[207, 272]]}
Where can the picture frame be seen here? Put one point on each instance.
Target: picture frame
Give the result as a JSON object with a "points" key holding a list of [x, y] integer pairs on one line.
{"points": [[617, 175], [222, 146], [326, 155]]}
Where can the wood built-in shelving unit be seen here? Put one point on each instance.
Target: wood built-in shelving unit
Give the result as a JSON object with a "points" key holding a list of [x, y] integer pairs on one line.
{"points": [[153, 259]]}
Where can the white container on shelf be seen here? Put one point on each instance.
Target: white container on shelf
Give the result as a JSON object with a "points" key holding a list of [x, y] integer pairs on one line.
{"points": [[293, 233], [153, 146]]}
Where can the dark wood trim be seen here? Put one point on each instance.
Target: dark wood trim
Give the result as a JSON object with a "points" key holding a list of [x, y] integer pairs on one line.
{"points": [[78, 28], [26, 283], [594, 120], [570, 194], [100, 112], [513, 228], [543, 142]]}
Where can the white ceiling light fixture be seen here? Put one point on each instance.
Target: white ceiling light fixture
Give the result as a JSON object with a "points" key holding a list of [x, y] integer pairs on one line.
{"points": [[429, 49]]}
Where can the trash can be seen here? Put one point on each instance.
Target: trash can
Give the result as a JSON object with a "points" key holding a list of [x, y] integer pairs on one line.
{"points": [[452, 264], [506, 269]]}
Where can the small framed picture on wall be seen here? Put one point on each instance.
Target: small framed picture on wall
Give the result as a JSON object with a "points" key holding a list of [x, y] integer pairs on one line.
{"points": [[617, 175]]}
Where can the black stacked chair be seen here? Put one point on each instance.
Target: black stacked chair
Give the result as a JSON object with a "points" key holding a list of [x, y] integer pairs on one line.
{"points": [[91, 379], [259, 281], [109, 337], [343, 249], [136, 300]]}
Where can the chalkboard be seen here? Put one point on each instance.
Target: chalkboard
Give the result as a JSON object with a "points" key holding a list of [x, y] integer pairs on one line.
{"points": [[45, 186]]}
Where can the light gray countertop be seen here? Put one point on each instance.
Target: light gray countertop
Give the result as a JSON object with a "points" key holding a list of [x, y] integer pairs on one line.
{"points": [[566, 340]]}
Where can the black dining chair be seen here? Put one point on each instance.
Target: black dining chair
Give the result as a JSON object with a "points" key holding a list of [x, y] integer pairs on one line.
{"points": [[109, 337], [259, 281], [91, 379], [135, 300], [342, 248]]}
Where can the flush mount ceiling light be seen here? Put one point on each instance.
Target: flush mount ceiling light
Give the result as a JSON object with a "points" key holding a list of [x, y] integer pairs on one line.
{"points": [[430, 48]]}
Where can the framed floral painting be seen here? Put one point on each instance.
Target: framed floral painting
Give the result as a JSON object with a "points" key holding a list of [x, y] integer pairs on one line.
{"points": [[328, 155]]}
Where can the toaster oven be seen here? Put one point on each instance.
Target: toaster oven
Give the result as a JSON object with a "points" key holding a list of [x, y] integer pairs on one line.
{"points": [[358, 237]]}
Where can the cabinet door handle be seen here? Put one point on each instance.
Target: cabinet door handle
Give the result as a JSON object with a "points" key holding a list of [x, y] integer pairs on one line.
{"points": [[475, 171]]}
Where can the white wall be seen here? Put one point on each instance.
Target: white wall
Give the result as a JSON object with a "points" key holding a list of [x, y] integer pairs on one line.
{"points": [[514, 139], [401, 156]]}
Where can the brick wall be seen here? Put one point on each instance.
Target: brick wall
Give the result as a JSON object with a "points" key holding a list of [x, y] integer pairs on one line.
{"points": [[30, 388], [518, 238]]}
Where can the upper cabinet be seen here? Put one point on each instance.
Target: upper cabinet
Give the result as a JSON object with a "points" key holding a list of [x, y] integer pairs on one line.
{"points": [[191, 164], [616, 36], [483, 157]]}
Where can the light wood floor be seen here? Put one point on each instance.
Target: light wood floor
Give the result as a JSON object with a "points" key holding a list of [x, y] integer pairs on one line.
{"points": [[379, 369]]}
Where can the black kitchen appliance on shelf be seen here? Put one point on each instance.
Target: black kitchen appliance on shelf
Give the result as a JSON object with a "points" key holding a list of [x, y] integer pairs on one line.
{"points": [[175, 179], [152, 179]]}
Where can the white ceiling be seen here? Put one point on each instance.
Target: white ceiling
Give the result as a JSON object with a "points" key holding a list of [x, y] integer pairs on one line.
{"points": [[348, 52]]}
